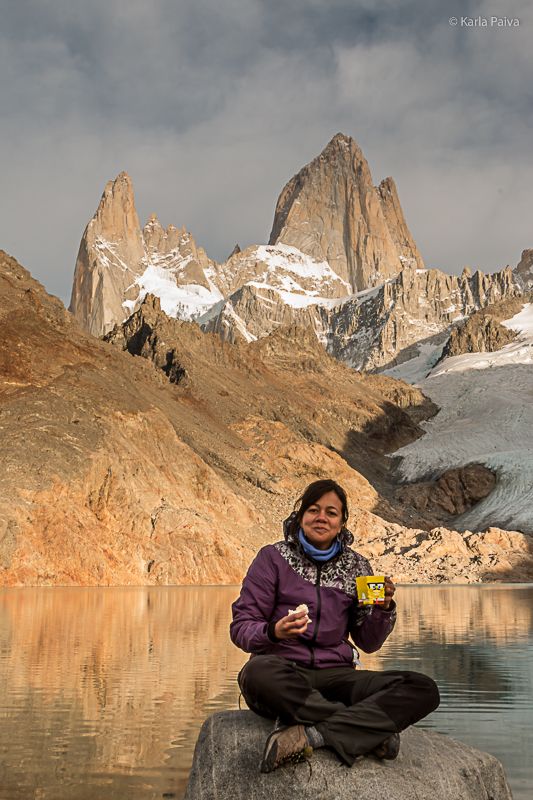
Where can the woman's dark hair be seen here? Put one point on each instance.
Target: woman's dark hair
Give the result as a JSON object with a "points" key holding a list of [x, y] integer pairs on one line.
{"points": [[310, 496]]}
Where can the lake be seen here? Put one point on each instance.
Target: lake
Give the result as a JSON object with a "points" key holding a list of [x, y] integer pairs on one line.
{"points": [[103, 691]]}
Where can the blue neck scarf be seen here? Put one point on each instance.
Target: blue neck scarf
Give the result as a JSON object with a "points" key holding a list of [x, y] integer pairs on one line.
{"points": [[319, 555]]}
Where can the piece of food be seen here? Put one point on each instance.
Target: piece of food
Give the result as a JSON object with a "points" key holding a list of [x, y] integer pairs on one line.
{"points": [[301, 607]]}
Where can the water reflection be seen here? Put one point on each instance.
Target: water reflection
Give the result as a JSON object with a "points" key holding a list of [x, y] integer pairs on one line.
{"points": [[477, 642], [453, 633], [99, 686], [102, 691]]}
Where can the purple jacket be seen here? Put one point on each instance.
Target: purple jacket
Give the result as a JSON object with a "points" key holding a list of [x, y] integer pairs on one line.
{"points": [[282, 577]]}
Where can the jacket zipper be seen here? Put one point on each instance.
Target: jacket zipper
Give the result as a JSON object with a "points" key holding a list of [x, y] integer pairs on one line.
{"points": [[318, 610]]}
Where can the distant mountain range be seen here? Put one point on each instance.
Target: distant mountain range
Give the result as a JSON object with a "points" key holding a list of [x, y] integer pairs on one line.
{"points": [[340, 260]]}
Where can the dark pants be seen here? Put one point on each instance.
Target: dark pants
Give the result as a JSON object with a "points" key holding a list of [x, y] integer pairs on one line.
{"points": [[354, 710]]}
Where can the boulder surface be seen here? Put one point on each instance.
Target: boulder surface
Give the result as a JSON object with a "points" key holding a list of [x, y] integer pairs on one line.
{"points": [[430, 766]]}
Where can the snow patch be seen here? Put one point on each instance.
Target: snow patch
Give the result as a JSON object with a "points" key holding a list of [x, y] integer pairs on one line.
{"points": [[522, 322], [517, 352], [283, 256], [107, 254], [187, 302], [298, 299], [297, 279]]}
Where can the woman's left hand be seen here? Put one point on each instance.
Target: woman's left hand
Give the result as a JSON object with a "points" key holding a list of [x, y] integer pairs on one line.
{"points": [[390, 588]]}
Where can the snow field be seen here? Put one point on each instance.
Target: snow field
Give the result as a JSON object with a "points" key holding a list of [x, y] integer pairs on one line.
{"points": [[486, 416]]}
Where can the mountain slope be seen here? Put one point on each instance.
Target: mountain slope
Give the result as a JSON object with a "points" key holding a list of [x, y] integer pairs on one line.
{"points": [[97, 486], [113, 475]]}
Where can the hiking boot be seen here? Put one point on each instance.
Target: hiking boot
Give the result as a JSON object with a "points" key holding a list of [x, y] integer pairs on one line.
{"points": [[389, 749], [286, 745]]}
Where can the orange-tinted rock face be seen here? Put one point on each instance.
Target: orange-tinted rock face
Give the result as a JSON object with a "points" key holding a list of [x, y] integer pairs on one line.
{"points": [[97, 485], [330, 211], [334, 233], [442, 555]]}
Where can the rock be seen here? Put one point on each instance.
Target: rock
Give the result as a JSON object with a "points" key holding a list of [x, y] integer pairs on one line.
{"points": [[235, 251], [373, 330], [109, 260], [337, 234], [430, 766], [401, 236], [332, 211], [482, 331], [454, 492], [442, 555], [334, 233], [269, 286], [376, 330], [524, 270], [175, 251], [118, 263], [478, 335], [114, 475], [139, 337], [99, 486]]}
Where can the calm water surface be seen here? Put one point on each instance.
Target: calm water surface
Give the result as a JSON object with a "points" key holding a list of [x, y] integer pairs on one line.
{"points": [[103, 691]]}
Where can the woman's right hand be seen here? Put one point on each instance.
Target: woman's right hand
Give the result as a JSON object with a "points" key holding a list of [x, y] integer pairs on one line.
{"points": [[292, 625]]}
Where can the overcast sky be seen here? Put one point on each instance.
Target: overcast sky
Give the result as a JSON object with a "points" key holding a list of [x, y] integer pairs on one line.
{"points": [[212, 105]]}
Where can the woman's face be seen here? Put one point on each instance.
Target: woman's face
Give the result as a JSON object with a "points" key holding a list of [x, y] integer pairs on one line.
{"points": [[322, 521]]}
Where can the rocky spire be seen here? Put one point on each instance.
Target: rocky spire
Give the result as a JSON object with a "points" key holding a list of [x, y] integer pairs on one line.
{"points": [[176, 251], [236, 250], [110, 257], [118, 263], [332, 211], [523, 271]]}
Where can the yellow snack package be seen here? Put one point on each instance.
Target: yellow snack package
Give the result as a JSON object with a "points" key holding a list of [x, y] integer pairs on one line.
{"points": [[370, 589]]}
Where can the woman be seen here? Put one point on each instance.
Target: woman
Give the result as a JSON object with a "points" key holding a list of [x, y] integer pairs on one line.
{"points": [[302, 666]]}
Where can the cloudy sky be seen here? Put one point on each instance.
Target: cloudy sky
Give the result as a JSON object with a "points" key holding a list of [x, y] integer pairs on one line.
{"points": [[212, 105]]}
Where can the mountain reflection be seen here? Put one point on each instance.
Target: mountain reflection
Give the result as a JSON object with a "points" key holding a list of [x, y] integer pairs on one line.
{"points": [[102, 691], [456, 635], [97, 683], [464, 613]]}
